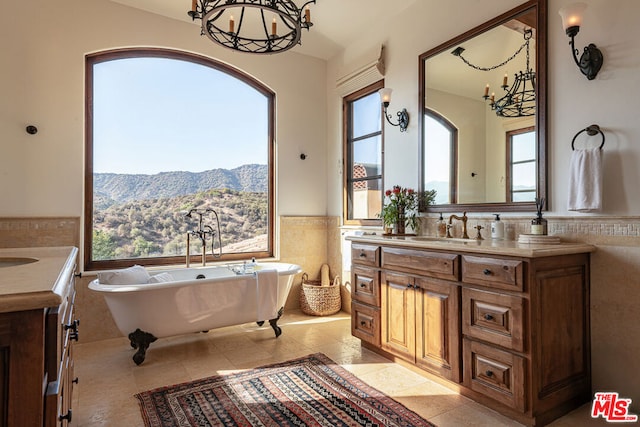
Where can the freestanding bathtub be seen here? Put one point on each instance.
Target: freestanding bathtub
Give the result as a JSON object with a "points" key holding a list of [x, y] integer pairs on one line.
{"points": [[198, 299]]}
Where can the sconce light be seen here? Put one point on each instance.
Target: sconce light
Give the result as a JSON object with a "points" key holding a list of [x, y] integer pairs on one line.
{"points": [[403, 116], [591, 59]]}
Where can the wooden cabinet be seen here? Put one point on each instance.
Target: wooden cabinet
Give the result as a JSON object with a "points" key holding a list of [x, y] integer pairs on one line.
{"points": [[365, 293], [62, 332], [419, 322], [511, 332], [36, 349]]}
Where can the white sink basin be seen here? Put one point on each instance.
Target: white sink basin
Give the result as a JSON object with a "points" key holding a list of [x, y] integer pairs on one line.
{"points": [[14, 261]]}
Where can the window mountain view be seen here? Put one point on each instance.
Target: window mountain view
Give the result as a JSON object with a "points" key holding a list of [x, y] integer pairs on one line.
{"points": [[139, 215]]}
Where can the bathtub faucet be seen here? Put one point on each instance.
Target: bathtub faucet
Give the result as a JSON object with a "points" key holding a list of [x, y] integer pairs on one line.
{"points": [[202, 233]]}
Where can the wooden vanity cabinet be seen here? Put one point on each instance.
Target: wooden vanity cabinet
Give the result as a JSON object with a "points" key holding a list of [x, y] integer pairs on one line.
{"points": [[511, 332], [36, 349]]}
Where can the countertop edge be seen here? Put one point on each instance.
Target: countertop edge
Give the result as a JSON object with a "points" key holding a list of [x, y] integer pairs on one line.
{"points": [[501, 247]]}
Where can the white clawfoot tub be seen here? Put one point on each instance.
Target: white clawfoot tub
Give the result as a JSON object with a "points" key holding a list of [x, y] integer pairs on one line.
{"points": [[197, 299]]}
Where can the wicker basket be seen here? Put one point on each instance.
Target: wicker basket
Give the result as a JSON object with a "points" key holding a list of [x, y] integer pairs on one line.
{"points": [[318, 300]]}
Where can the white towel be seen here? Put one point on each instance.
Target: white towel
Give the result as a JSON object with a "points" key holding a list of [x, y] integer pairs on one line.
{"points": [[585, 180], [267, 290]]}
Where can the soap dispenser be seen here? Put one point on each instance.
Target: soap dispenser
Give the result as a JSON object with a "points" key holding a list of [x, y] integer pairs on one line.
{"points": [[497, 228], [441, 227]]}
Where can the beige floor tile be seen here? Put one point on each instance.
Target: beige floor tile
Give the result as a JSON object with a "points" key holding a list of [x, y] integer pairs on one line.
{"points": [[109, 378]]}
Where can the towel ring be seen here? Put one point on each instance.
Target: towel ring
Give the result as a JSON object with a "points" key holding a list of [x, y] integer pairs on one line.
{"points": [[591, 131]]}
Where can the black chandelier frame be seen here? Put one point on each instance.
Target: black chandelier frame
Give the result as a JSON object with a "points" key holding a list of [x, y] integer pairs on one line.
{"points": [[290, 17], [519, 99]]}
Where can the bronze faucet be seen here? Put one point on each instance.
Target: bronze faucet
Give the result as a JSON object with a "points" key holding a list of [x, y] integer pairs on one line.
{"points": [[462, 218]]}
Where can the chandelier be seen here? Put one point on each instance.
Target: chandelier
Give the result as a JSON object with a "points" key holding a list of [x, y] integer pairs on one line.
{"points": [[519, 99], [253, 26]]}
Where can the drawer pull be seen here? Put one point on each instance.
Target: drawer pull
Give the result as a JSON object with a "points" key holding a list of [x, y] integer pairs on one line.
{"points": [[488, 317], [363, 323], [75, 380], [363, 255], [363, 285], [486, 272], [78, 274], [65, 417], [73, 336], [489, 373]]}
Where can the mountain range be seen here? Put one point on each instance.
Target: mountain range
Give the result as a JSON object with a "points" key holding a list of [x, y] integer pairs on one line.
{"points": [[127, 187]]}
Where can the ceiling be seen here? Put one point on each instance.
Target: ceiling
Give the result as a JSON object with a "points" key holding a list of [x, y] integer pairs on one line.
{"points": [[337, 22]]}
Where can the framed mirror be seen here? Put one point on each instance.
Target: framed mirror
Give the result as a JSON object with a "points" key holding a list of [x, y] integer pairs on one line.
{"points": [[483, 123]]}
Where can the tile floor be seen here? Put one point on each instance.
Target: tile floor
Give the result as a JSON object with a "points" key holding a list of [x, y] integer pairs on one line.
{"points": [[109, 378]]}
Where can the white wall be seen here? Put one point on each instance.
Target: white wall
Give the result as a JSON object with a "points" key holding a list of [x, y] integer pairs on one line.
{"points": [[573, 101], [43, 44]]}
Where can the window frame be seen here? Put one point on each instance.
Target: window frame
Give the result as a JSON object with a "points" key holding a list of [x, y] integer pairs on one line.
{"points": [[347, 153], [125, 53]]}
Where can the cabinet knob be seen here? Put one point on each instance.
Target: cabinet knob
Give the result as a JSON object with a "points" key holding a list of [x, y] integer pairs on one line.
{"points": [[489, 373], [486, 272], [363, 285], [488, 317], [79, 274], [363, 255], [73, 336], [363, 323], [75, 380], [65, 417]]}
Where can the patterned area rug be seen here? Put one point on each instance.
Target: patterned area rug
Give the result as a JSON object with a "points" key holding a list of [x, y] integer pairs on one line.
{"points": [[309, 391]]}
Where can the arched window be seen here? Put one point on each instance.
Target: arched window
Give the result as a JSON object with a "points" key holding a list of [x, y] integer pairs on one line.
{"points": [[169, 132], [440, 157]]}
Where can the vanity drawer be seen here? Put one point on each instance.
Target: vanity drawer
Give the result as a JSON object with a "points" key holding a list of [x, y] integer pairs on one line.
{"points": [[496, 318], [497, 374], [365, 322], [432, 264], [493, 272], [365, 285], [365, 254]]}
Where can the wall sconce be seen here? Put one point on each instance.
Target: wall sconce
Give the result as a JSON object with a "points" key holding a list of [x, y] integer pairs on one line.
{"points": [[591, 60], [403, 116]]}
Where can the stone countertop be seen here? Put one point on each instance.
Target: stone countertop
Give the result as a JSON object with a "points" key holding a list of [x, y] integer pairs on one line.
{"points": [[487, 246], [39, 284]]}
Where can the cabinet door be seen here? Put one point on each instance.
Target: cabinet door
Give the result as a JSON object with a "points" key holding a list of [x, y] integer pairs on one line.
{"points": [[398, 315], [438, 327]]}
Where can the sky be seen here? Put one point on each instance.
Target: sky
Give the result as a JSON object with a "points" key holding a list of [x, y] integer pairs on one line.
{"points": [[157, 115]]}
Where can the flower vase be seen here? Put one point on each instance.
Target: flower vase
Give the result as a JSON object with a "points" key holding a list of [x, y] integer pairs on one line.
{"points": [[400, 221]]}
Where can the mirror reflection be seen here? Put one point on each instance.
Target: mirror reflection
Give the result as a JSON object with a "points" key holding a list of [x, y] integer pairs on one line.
{"points": [[480, 141]]}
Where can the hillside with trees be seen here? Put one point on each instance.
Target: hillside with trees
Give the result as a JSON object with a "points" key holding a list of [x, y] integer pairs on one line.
{"points": [[144, 215]]}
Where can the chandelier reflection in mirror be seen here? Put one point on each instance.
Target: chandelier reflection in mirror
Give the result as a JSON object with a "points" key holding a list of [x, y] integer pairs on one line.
{"points": [[253, 26], [520, 98]]}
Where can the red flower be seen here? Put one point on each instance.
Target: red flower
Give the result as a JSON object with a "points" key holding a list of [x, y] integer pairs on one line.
{"points": [[387, 193]]}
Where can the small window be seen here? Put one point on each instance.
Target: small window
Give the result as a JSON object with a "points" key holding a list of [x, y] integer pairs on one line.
{"points": [[167, 132], [522, 166], [363, 148]]}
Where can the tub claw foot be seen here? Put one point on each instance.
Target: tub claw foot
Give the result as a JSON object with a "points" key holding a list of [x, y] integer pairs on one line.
{"points": [[274, 323], [140, 340]]}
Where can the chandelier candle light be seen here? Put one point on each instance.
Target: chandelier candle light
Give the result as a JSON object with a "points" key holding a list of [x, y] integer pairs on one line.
{"points": [[520, 99], [247, 23]]}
